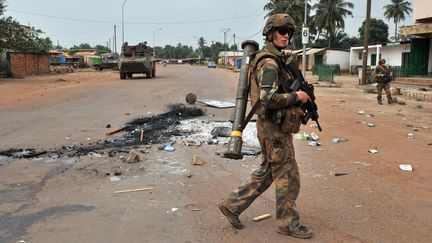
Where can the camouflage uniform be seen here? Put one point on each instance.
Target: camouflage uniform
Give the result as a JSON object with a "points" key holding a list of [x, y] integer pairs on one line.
{"points": [[278, 158], [383, 82]]}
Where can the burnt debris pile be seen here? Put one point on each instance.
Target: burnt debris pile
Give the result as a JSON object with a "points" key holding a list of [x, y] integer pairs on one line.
{"points": [[159, 128], [149, 130]]}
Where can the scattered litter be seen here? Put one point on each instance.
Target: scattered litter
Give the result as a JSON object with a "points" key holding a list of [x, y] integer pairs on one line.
{"points": [[371, 125], [217, 103], [174, 209], [250, 150], [221, 132], [134, 190], [108, 126], [192, 143], [340, 174], [405, 167], [191, 98], [168, 147], [181, 183], [67, 138], [262, 217], [314, 125], [88, 139], [303, 136], [373, 151], [358, 206], [115, 131], [142, 135], [114, 178], [95, 155], [133, 156], [196, 209], [188, 173], [361, 163], [370, 115], [314, 136], [314, 143], [361, 112], [336, 140], [127, 113], [410, 135], [197, 160]]}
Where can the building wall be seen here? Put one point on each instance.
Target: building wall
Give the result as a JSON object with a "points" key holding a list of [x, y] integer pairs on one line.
{"points": [[393, 54], [23, 64], [337, 57], [421, 10]]}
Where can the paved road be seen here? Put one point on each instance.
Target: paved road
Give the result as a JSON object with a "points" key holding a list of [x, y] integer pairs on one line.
{"points": [[71, 199]]}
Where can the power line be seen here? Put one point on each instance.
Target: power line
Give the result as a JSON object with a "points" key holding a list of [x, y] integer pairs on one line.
{"points": [[144, 23]]}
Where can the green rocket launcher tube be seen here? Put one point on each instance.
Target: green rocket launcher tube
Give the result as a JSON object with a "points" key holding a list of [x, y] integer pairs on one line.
{"points": [[235, 143]]}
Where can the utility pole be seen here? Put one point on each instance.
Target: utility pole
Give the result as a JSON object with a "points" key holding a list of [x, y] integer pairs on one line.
{"points": [[235, 47], [123, 21], [366, 44], [225, 30], [304, 31], [115, 39]]}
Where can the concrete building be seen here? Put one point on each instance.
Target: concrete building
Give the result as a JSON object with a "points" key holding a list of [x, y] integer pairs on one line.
{"points": [[395, 53], [230, 57], [420, 58], [327, 56]]}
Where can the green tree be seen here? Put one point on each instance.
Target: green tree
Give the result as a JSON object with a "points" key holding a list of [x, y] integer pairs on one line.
{"points": [[330, 16], [201, 43], [14, 36], [2, 6], [340, 40], [378, 31], [397, 11], [85, 46], [101, 49]]}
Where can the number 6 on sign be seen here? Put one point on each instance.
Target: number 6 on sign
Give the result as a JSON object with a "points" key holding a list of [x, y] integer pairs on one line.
{"points": [[305, 35]]}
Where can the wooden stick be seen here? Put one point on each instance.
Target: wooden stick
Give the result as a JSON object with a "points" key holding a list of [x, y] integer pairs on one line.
{"points": [[262, 217], [115, 131], [134, 190], [142, 135]]}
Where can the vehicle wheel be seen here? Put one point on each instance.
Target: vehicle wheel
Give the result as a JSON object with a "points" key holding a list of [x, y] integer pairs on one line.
{"points": [[148, 75], [122, 75], [129, 75], [115, 68]]}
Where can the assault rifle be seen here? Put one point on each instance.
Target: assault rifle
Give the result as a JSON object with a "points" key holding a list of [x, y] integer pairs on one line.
{"points": [[310, 108]]}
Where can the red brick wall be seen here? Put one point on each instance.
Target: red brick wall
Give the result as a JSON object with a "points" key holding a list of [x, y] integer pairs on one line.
{"points": [[23, 64]]}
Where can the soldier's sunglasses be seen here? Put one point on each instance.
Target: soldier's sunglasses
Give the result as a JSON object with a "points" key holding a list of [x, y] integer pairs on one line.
{"points": [[283, 31]]}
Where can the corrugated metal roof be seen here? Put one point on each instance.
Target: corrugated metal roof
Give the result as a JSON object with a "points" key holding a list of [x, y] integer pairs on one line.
{"points": [[314, 50]]}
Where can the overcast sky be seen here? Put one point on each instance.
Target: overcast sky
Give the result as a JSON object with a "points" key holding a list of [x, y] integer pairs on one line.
{"points": [[162, 21]]}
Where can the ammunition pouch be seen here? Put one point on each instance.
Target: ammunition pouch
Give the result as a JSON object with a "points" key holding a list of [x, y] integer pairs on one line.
{"points": [[292, 119]]}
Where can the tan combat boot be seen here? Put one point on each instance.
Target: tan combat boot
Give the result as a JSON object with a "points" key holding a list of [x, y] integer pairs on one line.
{"points": [[301, 232], [232, 218]]}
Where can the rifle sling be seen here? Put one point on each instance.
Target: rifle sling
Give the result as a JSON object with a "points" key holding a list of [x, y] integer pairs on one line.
{"points": [[250, 115]]}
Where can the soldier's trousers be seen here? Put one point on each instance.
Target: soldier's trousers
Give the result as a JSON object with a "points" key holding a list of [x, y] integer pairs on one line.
{"points": [[386, 87], [278, 166]]}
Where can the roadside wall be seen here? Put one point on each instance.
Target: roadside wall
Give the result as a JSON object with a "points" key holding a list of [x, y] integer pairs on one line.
{"points": [[338, 57], [23, 64]]}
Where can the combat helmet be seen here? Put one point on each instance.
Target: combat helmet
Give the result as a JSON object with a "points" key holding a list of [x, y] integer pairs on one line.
{"points": [[276, 21], [382, 61]]}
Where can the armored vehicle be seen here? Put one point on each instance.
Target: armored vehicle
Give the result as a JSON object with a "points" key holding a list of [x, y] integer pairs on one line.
{"points": [[136, 59]]}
